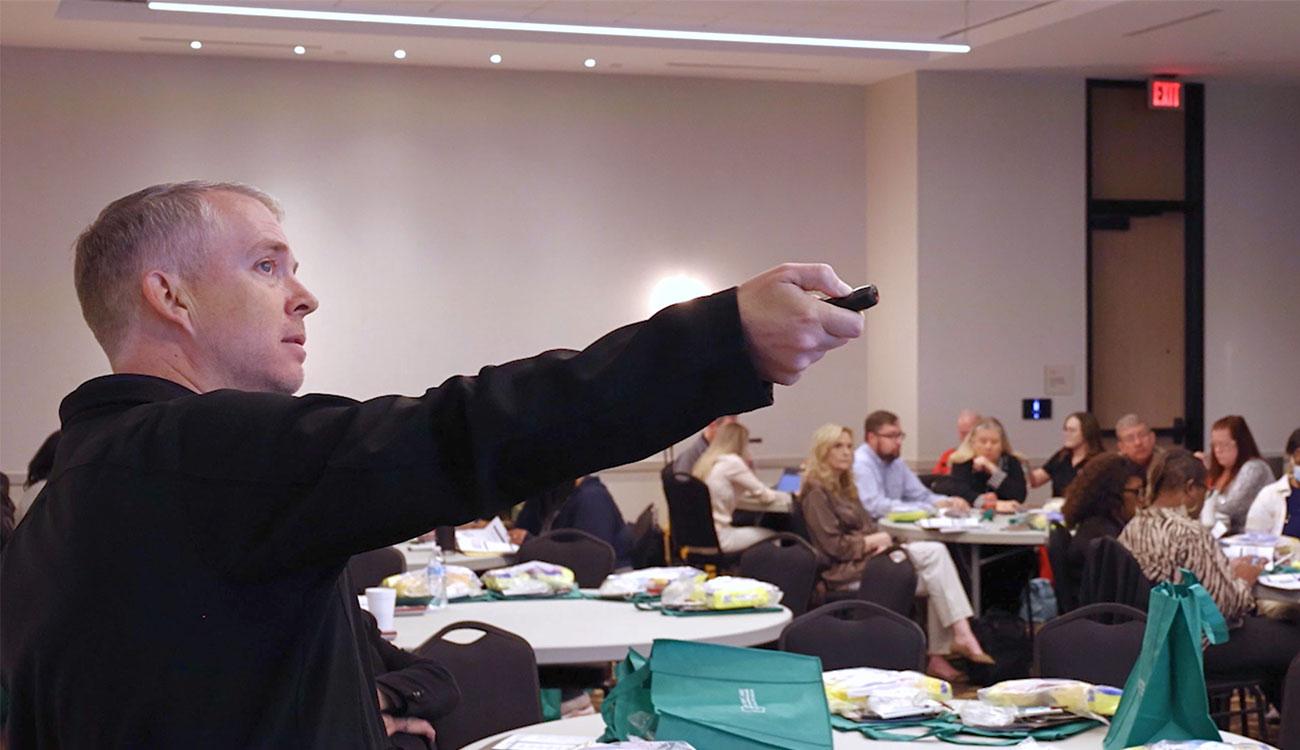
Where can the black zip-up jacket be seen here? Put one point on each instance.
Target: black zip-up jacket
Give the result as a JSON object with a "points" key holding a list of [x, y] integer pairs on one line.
{"points": [[177, 582]]}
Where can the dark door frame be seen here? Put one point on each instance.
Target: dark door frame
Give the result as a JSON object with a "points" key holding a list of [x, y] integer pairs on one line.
{"points": [[1115, 214]]}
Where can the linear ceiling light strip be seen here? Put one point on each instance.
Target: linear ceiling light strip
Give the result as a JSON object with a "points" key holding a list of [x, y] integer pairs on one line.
{"points": [[554, 28]]}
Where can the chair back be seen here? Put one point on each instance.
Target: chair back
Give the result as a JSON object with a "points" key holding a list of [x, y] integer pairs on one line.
{"points": [[890, 581], [647, 546], [1097, 643], [690, 514], [589, 557], [1058, 554], [1111, 575], [853, 633], [369, 568], [787, 562], [497, 677], [1289, 737]]}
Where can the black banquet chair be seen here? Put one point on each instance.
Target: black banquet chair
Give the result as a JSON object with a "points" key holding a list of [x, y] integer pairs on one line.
{"points": [[786, 561], [1058, 554], [589, 557], [497, 677], [1098, 643], [854, 633], [692, 537], [889, 579], [369, 568]]}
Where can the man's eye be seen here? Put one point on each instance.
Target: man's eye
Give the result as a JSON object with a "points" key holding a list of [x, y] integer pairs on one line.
{"points": [[266, 266]]}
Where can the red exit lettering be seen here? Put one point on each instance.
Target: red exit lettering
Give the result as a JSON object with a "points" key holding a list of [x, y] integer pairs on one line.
{"points": [[1166, 94]]}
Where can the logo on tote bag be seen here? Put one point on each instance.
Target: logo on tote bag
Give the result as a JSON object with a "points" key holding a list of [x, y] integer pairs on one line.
{"points": [[748, 704]]}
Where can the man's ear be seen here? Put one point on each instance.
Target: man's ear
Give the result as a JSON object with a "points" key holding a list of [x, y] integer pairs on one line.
{"points": [[166, 296]]}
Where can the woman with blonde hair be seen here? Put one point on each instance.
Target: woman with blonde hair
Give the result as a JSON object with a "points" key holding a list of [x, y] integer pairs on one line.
{"points": [[985, 468], [724, 469], [842, 529]]}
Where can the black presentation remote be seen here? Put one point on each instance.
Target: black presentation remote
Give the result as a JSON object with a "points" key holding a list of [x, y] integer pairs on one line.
{"points": [[859, 299]]}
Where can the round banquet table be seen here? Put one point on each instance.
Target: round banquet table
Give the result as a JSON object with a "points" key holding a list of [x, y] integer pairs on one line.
{"points": [[1000, 531], [591, 631], [594, 726]]}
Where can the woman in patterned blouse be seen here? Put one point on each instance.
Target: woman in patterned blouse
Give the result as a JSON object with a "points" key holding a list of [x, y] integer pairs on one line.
{"points": [[1165, 536]]}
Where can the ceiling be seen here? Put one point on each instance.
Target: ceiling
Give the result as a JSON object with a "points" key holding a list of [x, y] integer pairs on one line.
{"points": [[1237, 39]]}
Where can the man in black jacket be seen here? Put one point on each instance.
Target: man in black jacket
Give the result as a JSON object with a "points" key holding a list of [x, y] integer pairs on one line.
{"points": [[177, 582]]}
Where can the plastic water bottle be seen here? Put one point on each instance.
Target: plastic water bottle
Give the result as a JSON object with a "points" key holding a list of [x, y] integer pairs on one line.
{"points": [[435, 577]]}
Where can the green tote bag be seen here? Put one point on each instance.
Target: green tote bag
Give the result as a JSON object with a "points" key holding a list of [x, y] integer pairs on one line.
{"points": [[720, 698], [1164, 697]]}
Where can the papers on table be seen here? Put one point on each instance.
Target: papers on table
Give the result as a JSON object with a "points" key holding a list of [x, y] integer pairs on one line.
{"points": [[1284, 581], [1251, 544], [557, 742], [950, 525], [542, 742], [492, 538]]}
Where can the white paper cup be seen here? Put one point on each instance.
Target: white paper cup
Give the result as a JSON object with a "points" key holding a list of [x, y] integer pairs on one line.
{"points": [[380, 601]]}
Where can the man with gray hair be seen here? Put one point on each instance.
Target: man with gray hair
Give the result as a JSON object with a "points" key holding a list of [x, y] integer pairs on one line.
{"points": [[1137, 442], [180, 581]]}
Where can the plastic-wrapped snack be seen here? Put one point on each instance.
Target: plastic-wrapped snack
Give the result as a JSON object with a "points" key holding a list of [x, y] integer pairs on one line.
{"points": [[532, 578], [1201, 745], [865, 693], [646, 581], [412, 588], [723, 592], [1074, 696], [462, 582]]}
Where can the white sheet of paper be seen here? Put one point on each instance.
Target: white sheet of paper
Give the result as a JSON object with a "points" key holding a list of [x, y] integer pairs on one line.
{"points": [[542, 742]]}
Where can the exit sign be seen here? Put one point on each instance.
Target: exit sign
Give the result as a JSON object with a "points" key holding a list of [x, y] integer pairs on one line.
{"points": [[1164, 94]]}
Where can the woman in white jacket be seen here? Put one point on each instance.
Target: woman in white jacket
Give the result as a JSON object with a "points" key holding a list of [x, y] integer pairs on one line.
{"points": [[1276, 509], [724, 467]]}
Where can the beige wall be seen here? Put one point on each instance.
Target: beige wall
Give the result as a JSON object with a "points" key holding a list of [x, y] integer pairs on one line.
{"points": [[446, 218], [1252, 259]]}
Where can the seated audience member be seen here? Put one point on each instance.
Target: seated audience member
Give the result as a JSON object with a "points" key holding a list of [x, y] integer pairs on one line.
{"points": [[1276, 509], [1165, 537], [985, 468], [965, 421], [38, 470], [884, 482], [842, 529], [724, 467], [1137, 442], [584, 504], [1082, 441], [413, 691], [1237, 474], [1098, 503], [685, 461]]}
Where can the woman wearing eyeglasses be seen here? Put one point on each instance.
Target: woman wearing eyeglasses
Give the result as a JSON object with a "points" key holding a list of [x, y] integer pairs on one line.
{"points": [[1098, 503], [1237, 474]]}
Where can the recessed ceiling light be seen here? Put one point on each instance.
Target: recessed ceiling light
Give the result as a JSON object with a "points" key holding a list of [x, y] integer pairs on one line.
{"points": [[590, 62], [495, 59], [300, 50], [400, 54], [196, 44], [555, 28]]}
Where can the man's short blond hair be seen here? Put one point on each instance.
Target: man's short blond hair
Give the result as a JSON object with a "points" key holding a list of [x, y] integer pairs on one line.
{"points": [[163, 226]]}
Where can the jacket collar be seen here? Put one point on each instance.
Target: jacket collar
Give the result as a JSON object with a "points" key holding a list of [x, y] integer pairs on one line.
{"points": [[117, 393]]}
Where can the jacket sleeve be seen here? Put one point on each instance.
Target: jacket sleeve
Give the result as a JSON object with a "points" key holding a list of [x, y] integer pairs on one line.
{"points": [[414, 685], [318, 478], [824, 528], [740, 475], [965, 482]]}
